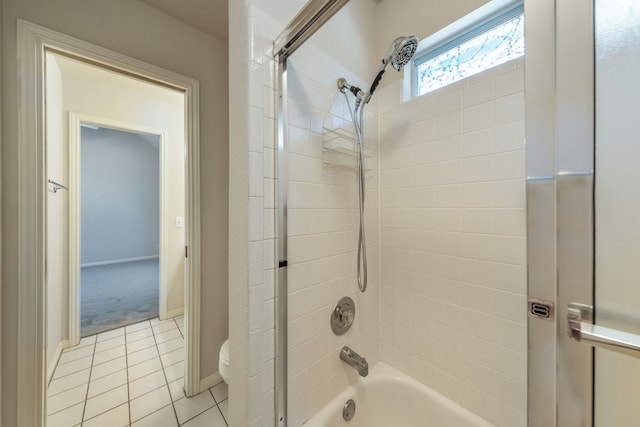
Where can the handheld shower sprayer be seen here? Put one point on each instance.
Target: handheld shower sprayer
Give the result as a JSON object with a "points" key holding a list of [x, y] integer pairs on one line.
{"points": [[398, 55]]}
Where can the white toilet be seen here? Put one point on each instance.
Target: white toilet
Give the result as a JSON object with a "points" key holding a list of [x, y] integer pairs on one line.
{"points": [[223, 364]]}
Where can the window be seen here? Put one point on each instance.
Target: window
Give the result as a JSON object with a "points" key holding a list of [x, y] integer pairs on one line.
{"points": [[490, 43]]}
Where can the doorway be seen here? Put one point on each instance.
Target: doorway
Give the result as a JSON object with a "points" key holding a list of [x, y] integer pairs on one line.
{"points": [[34, 44], [119, 228], [125, 173]]}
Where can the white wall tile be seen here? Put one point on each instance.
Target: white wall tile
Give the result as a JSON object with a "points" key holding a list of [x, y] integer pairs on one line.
{"points": [[448, 99], [478, 93], [478, 117], [510, 109], [508, 83], [479, 143], [449, 124], [424, 130], [509, 137], [456, 255]]}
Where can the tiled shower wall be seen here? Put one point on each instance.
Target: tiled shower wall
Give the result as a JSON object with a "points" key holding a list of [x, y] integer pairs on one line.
{"points": [[323, 233], [451, 299], [453, 249], [322, 227], [252, 218]]}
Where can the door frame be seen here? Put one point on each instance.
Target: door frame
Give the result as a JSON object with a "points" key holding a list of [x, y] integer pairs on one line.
{"points": [[75, 169], [33, 43], [559, 121]]}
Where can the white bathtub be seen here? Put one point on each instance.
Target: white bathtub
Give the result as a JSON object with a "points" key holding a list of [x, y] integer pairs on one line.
{"points": [[389, 398]]}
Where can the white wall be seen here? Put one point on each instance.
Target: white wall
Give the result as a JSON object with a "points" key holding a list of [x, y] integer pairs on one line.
{"points": [[120, 196], [141, 32], [453, 240], [57, 219]]}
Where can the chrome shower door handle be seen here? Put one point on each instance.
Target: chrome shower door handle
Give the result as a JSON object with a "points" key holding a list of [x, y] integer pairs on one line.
{"points": [[580, 329]]}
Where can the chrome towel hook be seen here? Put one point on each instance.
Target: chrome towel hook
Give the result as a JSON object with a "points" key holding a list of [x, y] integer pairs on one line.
{"points": [[57, 186]]}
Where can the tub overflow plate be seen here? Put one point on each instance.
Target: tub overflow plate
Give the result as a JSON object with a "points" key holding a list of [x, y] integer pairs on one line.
{"points": [[349, 410]]}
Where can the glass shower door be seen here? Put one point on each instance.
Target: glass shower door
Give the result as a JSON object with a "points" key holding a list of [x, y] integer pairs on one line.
{"points": [[617, 206]]}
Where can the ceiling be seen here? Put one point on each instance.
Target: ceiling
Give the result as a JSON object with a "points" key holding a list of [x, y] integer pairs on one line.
{"points": [[208, 16]]}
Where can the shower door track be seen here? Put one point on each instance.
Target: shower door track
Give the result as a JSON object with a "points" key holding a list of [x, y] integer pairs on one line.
{"points": [[312, 17]]}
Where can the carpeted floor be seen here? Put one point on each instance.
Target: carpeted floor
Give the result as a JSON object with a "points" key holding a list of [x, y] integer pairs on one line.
{"points": [[115, 295]]}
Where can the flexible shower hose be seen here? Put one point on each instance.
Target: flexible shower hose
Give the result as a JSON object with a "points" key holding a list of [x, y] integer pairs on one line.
{"points": [[362, 247]]}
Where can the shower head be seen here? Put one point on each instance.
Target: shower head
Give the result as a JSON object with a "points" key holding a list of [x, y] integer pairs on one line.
{"points": [[400, 52], [398, 55]]}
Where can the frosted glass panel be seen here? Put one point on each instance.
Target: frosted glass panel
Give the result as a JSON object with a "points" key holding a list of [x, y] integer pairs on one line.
{"points": [[617, 379], [493, 47]]}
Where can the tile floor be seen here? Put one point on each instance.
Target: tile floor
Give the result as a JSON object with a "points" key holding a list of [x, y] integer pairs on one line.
{"points": [[131, 376]]}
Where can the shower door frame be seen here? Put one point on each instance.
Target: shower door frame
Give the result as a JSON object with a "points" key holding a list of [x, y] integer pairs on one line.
{"points": [[559, 97], [310, 18]]}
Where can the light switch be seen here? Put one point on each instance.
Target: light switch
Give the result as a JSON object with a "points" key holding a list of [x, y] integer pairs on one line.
{"points": [[179, 222]]}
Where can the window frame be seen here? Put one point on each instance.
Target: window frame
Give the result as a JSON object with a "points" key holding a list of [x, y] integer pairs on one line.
{"points": [[470, 26]]}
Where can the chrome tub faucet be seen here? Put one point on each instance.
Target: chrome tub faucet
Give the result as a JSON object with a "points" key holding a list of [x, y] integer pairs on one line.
{"points": [[354, 360]]}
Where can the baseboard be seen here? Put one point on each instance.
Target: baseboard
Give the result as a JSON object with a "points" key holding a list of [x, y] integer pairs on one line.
{"points": [[174, 313], [56, 356], [118, 261], [210, 381]]}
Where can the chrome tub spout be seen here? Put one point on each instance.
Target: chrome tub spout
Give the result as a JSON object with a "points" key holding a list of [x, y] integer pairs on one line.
{"points": [[354, 360]]}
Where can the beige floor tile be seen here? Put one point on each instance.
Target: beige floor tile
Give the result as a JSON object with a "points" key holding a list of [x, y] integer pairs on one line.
{"points": [[209, 418], [164, 417], [146, 384], [66, 399], [110, 334], [140, 344], [68, 417], [110, 343], [144, 368], [115, 365], [139, 334], [75, 353], [191, 407], [74, 366], [68, 382], [174, 344], [107, 355], [137, 326], [174, 372], [106, 383], [172, 357], [220, 391], [116, 417], [105, 401], [149, 403], [176, 389], [142, 355]]}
